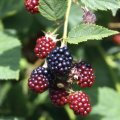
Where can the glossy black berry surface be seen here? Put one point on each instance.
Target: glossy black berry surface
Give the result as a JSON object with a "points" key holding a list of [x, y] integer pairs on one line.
{"points": [[60, 61]]}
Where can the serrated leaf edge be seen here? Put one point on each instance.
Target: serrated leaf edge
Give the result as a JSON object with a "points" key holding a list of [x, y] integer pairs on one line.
{"points": [[101, 9], [45, 16], [89, 39]]}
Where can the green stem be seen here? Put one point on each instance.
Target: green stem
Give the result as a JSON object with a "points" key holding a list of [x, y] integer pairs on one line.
{"points": [[70, 113], [1, 25], [57, 29], [115, 79], [75, 1], [66, 22], [8, 14]]}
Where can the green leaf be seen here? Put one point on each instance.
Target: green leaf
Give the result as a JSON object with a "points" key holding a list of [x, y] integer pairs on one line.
{"points": [[86, 32], [53, 9], [9, 7], [114, 11], [9, 55], [106, 103], [101, 4]]}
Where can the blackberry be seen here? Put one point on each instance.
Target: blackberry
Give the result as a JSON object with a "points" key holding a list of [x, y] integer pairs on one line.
{"points": [[79, 103], [82, 74], [31, 6], [58, 94], [40, 79], [43, 46], [89, 17], [60, 61]]}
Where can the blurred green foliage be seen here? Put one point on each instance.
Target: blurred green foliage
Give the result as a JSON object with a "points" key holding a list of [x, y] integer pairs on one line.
{"points": [[17, 102]]}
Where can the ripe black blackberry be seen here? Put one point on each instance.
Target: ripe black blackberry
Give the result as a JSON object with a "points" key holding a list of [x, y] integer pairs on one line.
{"points": [[82, 74], [31, 6], [60, 61], [40, 79]]}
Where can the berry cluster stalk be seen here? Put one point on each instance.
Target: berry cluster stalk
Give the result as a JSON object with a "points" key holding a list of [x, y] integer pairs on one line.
{"points": [[78, 4], [66, 22], [1, 25], [56, 29]]}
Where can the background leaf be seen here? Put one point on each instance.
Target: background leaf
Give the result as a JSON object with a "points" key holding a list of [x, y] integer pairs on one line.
{"points": [[114, 11], [106, 103], [101, 4], [9, 55], [7, 6], [53, 9], [86, 32]]}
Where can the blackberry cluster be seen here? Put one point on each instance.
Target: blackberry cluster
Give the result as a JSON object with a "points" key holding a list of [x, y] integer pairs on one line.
{"points": [[85, 74], [44, 46], [89, 17], [59, 67], [39, 80], [60, 61], [31, 6], [79, 103]]}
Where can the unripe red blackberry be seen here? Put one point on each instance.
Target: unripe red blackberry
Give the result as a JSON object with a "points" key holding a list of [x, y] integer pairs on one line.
{"points": [[116, 39], [79, 102], [60, 61], [89, 17], [31, 6], [82, 74], [45, 44], [58, 94], [40, 79]]}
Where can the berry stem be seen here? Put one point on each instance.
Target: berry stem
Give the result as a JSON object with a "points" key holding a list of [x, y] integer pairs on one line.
{"points": [[1, 25], [56, 29], [66, 22], [115, 56], [45, 64], [70, 113], [114, 78], [78, 4]]}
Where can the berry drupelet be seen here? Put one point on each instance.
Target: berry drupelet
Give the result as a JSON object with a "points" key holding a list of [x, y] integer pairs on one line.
{"points": [[60, 61], [40, 79], [79, 103], [82, 74], [31, 6]]}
